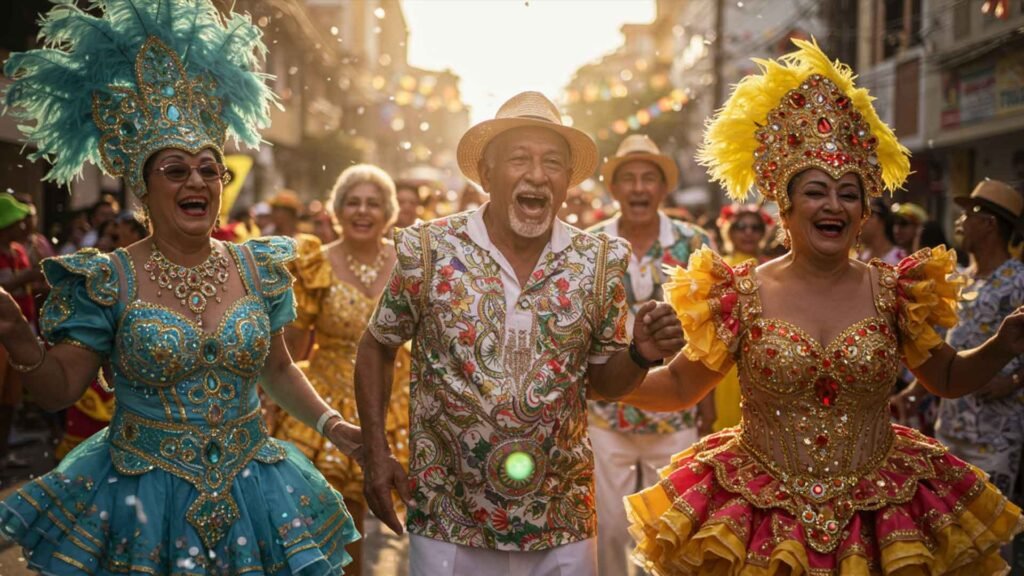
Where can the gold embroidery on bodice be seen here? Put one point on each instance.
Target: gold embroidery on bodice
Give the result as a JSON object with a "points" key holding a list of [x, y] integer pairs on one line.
{"points": [[815, 415]]}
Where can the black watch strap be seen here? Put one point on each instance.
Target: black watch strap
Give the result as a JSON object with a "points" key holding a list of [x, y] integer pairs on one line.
{"points": [[639, 360]]}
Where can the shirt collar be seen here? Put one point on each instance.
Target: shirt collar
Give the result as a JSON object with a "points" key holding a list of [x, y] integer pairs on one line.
{"points": [[666, 232], [477, 230]]}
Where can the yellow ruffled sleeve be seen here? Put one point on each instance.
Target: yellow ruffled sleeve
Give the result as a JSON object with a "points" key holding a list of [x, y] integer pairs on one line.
{"points": [[313, 274], [927, 291], [705, 299]]}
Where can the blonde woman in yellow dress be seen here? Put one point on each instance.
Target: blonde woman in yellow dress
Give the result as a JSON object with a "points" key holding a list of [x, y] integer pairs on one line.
{"points": [[336, 288]]}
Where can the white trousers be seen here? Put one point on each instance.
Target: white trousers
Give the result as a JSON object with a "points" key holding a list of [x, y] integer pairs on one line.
{"points": [[625, 463], [429, 557]]}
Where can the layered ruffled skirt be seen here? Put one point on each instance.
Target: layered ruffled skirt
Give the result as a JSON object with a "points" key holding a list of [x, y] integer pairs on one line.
{"points": [[86, 518], [717, 510]]}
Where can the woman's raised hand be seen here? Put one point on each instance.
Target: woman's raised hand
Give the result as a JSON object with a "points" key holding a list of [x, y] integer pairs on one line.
{"points": [[11, 318]]}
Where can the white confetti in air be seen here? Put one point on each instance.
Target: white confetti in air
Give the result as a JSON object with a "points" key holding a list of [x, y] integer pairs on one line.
{"points": [[242, 541], [297, 523], [246, 473], [104, 515]]}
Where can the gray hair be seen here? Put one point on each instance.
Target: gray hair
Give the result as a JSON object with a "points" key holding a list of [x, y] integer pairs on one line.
{"points": [[359, 174]]}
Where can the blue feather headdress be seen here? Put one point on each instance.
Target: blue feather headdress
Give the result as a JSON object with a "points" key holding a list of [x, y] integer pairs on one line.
{"points": [[146, 75]]}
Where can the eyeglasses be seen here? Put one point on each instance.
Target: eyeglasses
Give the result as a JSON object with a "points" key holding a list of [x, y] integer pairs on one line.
{"points": [[747, 228], [209, 171]]}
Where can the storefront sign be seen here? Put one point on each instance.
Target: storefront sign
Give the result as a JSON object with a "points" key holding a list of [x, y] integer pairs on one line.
{"points": [[1010, 84], [977, 94]]}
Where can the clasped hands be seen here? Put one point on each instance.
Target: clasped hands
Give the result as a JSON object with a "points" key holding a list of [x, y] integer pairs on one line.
{"points": [[657, 333]]}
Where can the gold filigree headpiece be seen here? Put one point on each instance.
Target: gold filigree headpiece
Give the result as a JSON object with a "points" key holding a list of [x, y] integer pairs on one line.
{"points": [[167, 109], [803, 111]]}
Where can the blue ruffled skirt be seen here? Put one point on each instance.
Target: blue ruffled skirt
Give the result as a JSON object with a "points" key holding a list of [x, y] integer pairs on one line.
{"points": [[86, 518]]}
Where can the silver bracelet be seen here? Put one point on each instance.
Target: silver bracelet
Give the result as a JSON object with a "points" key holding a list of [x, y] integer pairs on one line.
{"points": [[23, 368], [346, 446], [327, 415]]}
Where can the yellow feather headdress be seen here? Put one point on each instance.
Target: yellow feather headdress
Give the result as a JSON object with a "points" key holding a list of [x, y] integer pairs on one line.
{"points": [[803, 111]]}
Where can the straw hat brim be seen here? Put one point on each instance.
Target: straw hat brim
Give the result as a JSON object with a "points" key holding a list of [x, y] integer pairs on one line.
{"points": [[997, 209], [667, 165], [475, 140]]}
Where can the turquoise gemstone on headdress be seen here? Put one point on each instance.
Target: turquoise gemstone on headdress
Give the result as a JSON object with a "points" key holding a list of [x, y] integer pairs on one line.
{"points": [[173, 114], [128, 129], [168, 91]]}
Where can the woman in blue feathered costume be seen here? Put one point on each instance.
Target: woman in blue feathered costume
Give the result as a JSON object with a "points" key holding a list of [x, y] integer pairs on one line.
{"points": [[185, 480]]}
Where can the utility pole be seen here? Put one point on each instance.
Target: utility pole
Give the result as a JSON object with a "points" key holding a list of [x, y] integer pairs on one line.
{"points": [[717, 95]]}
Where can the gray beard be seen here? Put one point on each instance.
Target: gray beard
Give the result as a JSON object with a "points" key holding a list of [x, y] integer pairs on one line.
{"points": [[529, 229]]}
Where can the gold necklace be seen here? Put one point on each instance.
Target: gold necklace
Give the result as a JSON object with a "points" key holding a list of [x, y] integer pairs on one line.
{"points": [[366, 273], [194, 286]]}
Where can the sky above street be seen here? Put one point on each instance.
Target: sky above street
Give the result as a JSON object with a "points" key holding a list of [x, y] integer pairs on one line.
{"points": [[502, 47]]}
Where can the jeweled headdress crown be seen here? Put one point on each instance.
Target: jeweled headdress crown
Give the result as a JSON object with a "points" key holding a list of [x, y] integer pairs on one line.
{"points": [[803, 111], [149, 74]]}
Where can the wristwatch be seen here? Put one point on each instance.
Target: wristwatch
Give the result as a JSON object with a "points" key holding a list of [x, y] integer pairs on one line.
{"points": [[639, 360]]}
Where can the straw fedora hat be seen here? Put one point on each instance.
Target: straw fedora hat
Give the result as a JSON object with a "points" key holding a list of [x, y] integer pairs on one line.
{"points": [[999, 198], [527, 109], [641, 147]]}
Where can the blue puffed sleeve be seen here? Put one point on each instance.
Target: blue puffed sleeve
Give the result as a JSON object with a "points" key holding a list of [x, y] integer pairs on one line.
{"points": [[270, 255], [80, 307]]}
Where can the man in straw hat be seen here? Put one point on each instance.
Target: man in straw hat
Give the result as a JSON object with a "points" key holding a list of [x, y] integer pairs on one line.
{"points": [[987, 428], [515, 318], [632, 444]]}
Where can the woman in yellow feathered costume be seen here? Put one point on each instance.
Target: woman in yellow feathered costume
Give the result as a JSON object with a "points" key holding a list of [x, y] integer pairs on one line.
{"points": [[815, 479]]}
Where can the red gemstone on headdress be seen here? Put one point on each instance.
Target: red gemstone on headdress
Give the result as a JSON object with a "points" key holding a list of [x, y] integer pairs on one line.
{"points": [[821, 441], [773, 166], [826, 389], [824, 126], [793, 140], [843, 103], [797, 100], [771, 352], [755, 332]]}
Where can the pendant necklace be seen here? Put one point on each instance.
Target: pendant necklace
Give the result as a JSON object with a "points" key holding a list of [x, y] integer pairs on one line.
{"points": [[191, 286]]}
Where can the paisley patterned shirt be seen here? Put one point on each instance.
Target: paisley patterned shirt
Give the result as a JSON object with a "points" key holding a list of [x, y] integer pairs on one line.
{"points": [[676, 241], [500, 456], [984, 303]]}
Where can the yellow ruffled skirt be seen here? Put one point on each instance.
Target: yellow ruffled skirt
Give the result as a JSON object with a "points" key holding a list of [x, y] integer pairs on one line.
{"points": [[699, 520]]}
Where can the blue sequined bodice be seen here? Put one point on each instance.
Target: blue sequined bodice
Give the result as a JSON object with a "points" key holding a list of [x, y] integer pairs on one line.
{"points": [[186, 398], [166, 367]]}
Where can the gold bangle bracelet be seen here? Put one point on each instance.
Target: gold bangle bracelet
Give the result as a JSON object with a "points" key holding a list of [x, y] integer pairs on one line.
{"points": [[23, 368]]}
